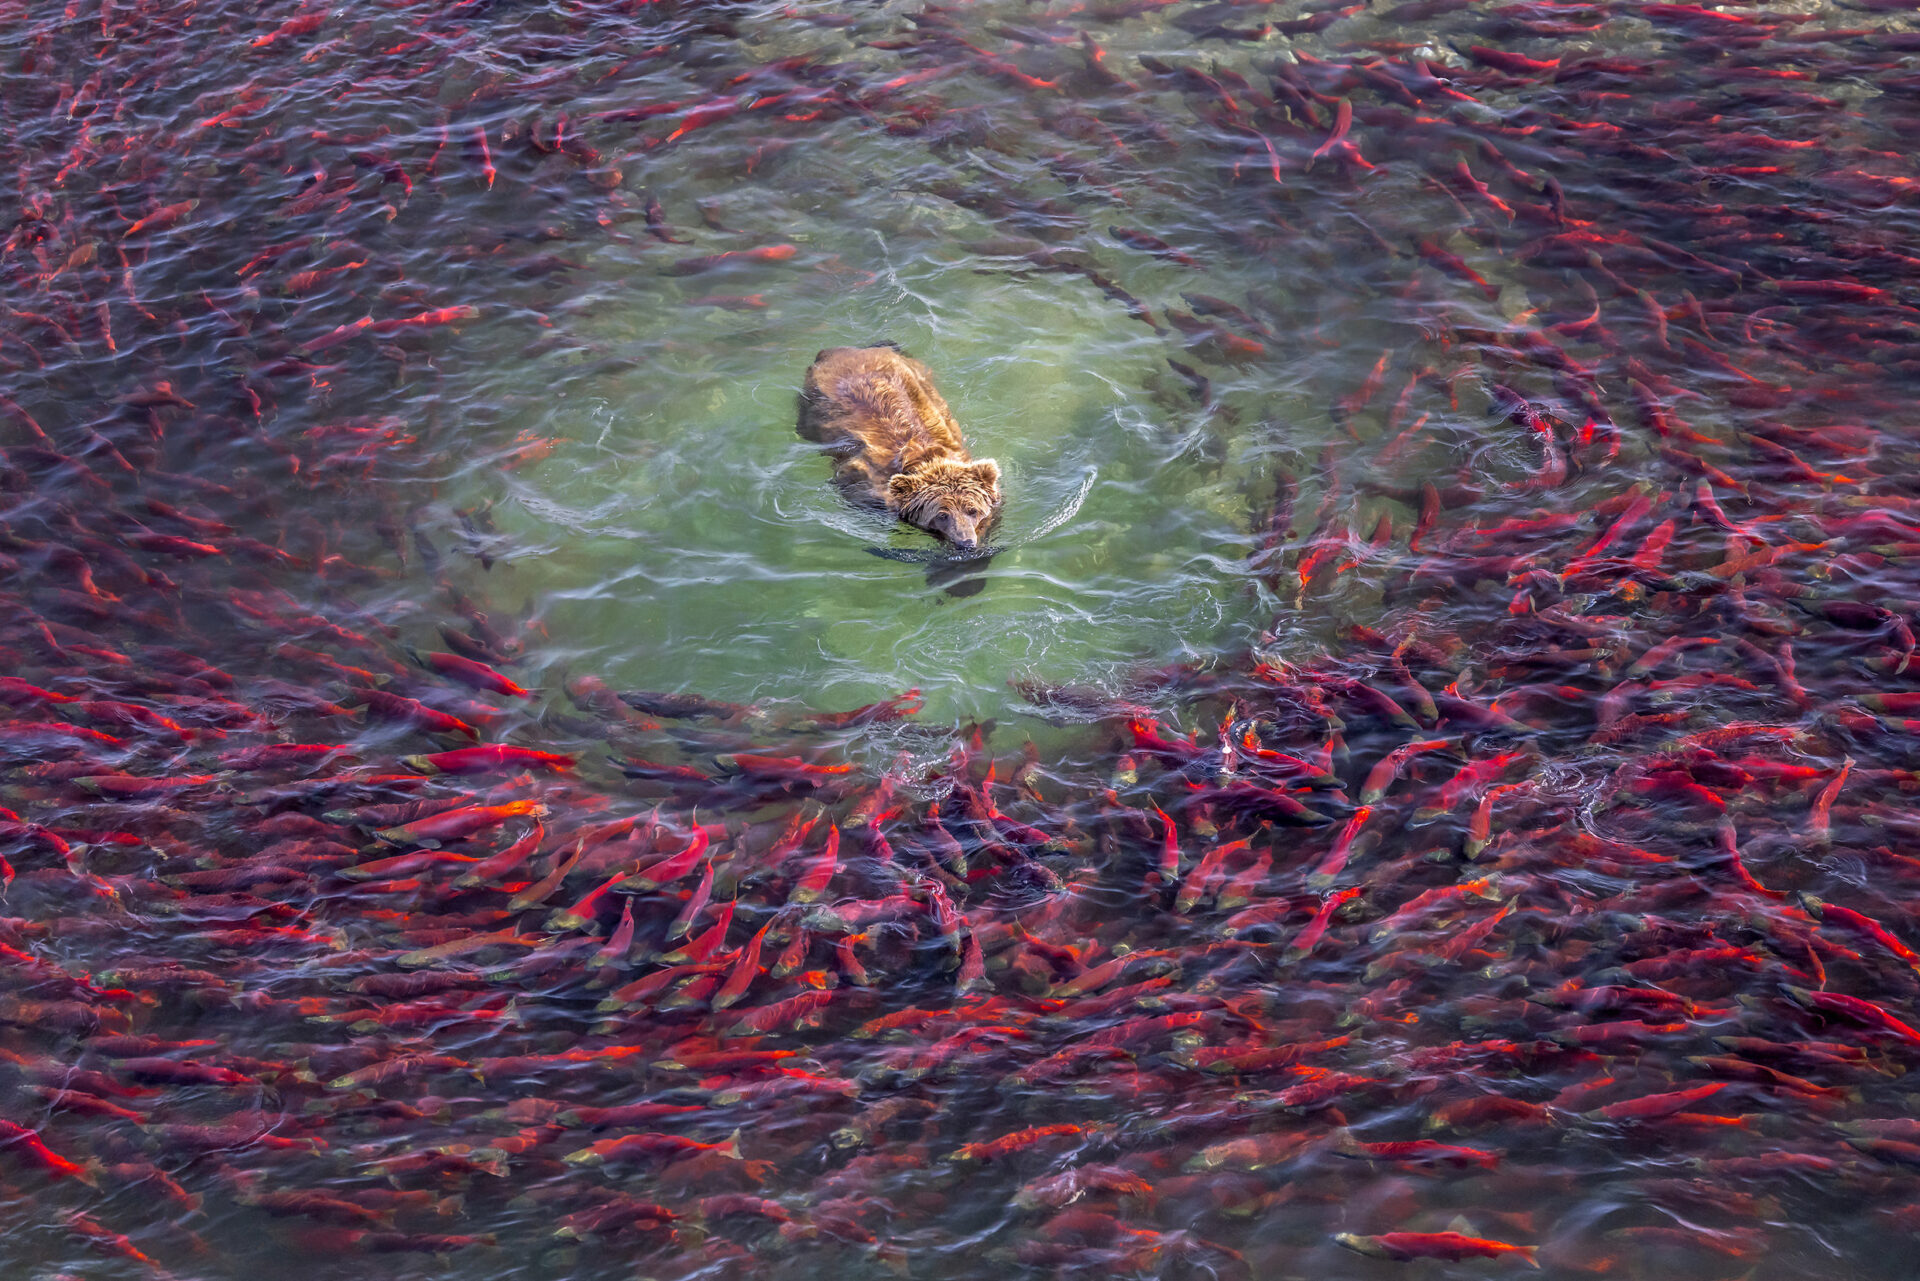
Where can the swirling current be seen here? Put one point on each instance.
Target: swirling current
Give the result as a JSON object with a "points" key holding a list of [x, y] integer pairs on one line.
{"points": [[1418, 784]]}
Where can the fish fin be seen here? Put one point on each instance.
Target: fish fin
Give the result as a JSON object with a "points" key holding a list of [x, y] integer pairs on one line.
{"points": [[1458, 1223], [732, 1146]]}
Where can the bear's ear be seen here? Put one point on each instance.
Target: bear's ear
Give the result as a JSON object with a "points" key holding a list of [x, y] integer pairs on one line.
{"points": [[986, 471], [900, 490]]}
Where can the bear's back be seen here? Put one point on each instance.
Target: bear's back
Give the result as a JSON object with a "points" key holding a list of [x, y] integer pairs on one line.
{"points": [[880, 402]]}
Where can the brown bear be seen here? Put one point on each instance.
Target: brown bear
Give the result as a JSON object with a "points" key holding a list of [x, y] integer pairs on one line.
{"points": [[895, 443]]}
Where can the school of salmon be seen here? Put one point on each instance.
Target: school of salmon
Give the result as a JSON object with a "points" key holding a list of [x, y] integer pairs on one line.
{"points": [[1555, 916]]}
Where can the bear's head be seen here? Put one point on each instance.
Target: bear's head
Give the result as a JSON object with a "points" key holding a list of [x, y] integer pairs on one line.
{"points": [[953, 500]]}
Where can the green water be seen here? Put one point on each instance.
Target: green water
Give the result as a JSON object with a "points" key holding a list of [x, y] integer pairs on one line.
{"points": [[683, 537]]}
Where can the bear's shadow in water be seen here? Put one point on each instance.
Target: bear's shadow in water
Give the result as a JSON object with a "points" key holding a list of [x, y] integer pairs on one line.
{"points": [[957, 575]]}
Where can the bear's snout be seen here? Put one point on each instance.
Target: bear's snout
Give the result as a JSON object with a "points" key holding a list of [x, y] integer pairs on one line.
{"points": [[958, 530]]}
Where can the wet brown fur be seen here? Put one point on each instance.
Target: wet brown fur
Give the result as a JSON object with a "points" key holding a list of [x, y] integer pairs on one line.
{"points": [[895, 443]]}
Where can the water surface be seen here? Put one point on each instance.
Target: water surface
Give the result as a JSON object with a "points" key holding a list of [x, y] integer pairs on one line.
{"points": [[1444, 677]]}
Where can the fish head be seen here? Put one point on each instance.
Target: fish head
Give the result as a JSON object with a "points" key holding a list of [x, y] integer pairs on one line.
{"points": [[1361, 1244], [951, 499]]}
